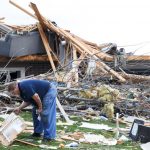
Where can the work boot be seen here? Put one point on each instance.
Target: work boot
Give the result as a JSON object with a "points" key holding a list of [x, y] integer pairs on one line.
{"points": [[38, 135], [45, 140]]}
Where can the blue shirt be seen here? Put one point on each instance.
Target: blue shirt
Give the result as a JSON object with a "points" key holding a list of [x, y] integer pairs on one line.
{"points": [[29, 87]]}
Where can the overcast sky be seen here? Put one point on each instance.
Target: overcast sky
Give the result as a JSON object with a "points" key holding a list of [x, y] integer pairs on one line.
{"points": [[124, 22]]}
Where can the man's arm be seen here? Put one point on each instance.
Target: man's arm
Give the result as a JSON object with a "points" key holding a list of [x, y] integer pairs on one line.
{"points": [[37, 99], [23, 105]]}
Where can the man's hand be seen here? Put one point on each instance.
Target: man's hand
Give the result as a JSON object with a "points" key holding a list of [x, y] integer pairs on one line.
{"points": [[17, 110]]}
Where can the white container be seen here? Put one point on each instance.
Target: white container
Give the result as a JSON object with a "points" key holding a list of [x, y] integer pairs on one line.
{"points": [[10, 128], [73, 144]]}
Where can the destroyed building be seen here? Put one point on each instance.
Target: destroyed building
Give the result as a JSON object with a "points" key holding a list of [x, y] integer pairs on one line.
{"points": [[23, 47]]}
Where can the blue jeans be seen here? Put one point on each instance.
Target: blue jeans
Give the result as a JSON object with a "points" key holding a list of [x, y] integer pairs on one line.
{"points": [[48, 115]]}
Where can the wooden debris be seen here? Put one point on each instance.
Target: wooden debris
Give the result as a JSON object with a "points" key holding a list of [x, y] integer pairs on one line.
{"points": [[10, 128], [48, 49], [28, 143], [135, 78]]}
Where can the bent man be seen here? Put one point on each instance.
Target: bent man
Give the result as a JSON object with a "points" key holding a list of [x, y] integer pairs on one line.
{"points": [[42, 95]]}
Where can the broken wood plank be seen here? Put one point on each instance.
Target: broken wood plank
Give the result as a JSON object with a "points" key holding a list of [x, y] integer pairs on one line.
{"points": [[38, 16], [43, 27], [138, 58], [135, 78], [63, 112], [24, 10], [96, 51], [48, 49], [25, 142]]}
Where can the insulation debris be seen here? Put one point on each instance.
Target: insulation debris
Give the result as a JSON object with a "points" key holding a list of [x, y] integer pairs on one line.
{"points": [[104, 93], [108, 110]]}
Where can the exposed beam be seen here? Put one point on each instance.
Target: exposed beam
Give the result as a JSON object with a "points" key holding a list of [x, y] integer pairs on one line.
{"points": [[47, 48], [43, 27]]}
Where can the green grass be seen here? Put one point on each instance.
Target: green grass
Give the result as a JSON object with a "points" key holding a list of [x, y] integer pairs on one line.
{"points": [[26, 116], [71, 129]]}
